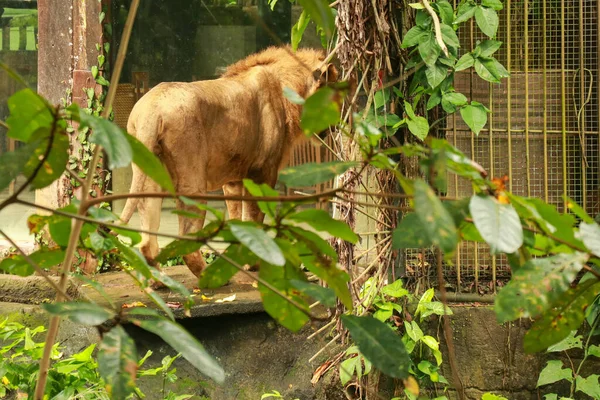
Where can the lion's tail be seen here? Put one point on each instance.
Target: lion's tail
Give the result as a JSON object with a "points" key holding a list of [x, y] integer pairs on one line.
{"points": [[146, 130]]}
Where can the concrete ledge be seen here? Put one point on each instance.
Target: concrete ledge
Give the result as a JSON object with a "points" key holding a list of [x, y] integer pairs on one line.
{"points": [[121, 288]]}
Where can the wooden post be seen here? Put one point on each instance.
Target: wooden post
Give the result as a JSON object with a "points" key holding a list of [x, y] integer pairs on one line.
{"points": [[68, 33]]}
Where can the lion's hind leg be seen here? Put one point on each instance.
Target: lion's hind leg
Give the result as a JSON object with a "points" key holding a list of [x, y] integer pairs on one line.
{"points": [[149, 211], [194, 261]]}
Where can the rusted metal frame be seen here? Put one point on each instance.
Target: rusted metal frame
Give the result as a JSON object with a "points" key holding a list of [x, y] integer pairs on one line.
{"points": [[545, 95], [563, 101], [582, 102], [526, 72], [508, 92], [458, 255], [471, 76]]}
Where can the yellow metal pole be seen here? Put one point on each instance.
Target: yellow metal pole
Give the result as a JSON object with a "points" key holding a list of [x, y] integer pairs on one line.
{"points": [[508, 92], [545, 94], [563, 100], [526, 72]]}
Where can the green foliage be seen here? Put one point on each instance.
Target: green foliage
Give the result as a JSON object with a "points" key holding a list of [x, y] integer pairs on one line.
{"points": [[387, 336], [311, 174], [379, 344], [117, 360], [178, 338]]}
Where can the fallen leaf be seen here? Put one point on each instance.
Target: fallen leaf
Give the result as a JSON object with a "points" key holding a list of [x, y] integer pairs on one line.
{"points": [[197, 291], [205, 298], [226, 299], [411, 385], [134, 304], [174, 304]]}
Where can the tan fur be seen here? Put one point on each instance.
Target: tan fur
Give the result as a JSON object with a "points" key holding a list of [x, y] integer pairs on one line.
{"points": [[213, 134]]}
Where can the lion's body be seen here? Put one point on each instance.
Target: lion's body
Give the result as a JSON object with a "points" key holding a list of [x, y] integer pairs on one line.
{"points": [[213, 134]]}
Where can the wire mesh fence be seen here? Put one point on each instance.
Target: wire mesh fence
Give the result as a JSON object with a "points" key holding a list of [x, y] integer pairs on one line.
{"points": [[544, 130]]}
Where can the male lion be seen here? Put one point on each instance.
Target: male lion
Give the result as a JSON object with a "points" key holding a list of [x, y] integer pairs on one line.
{"points": [[213, 134]]}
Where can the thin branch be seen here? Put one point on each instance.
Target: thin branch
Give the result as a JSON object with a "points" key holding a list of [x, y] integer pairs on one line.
{"points": [[35, 266], [268, 286], [210, 197], [592, 271], [436, 24], [332, 341], [458, 384], [107, 224], [3, 124]]}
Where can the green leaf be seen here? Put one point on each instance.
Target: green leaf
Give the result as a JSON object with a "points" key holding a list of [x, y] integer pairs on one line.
{"points": [[179, 339], [491, 396], [292, 96], [258, 242], [45, 258], [395, 289], [409, 234], [475, 116], [414, 36], [494, 4], [489, 69], [418, 127], [56, 161], [322, 221], [148, 162], [488, 47], [220, 271], [381, 98], [589, 385], [446, 11], [436, 74], [28, 113], [12, 163], [79, 312], [563, 316], [333, 276], [590, 236], [281, 310], [320, 111], [465, 11], [117, 362], [413, 330], [321, 13], [487, 20], [497, 223], [379, 344], [436, 221], [568, 343], [263, 190], [594, 350], [449, 36], [429, 50], [311, 174], [135, 237], [537, 285], [325, 296], [452, 101], [347, 368], [554, 372], [177, 248], [466, 61], [108, 135], [299, 28]]}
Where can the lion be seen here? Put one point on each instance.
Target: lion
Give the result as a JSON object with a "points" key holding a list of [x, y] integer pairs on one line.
{"points": [[213, 134]]}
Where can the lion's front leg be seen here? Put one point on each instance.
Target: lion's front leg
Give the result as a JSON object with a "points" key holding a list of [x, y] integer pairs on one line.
{"points": [[234, 207]]}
